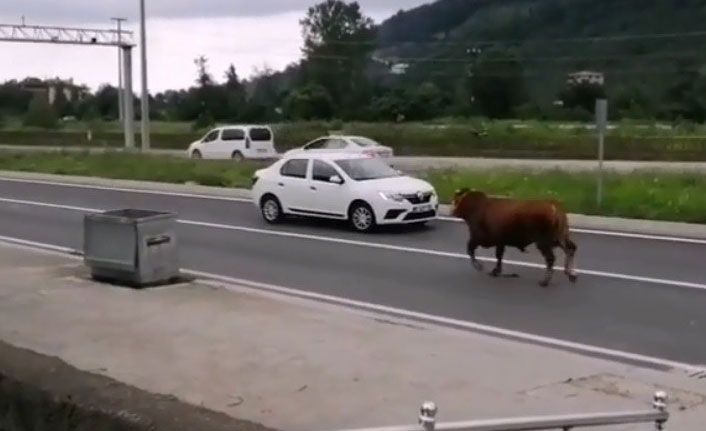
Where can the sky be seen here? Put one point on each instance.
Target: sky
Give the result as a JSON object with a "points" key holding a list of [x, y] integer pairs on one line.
{"points": [[250, 34]]}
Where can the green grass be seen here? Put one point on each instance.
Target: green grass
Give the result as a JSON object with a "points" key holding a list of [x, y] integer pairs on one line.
{"points": [[646, 195], [472, 138], [132, 167], [642, 195]]}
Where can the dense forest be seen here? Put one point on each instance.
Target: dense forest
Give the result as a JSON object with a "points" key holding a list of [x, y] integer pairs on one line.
{"points": [[461, 58]]}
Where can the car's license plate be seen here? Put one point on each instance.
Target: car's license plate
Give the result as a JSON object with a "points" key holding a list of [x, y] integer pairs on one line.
{"points": [[422, 208]]}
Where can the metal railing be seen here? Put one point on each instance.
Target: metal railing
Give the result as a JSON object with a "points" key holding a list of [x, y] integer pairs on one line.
{"points": [[658, 416]]}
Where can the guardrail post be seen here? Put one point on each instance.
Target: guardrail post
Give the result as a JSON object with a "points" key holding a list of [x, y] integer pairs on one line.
{"points": [[427, 415], [660, 403]]}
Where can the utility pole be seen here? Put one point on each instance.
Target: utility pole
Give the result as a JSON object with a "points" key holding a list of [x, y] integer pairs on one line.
{"points": [[121, 96], [145, 106]]}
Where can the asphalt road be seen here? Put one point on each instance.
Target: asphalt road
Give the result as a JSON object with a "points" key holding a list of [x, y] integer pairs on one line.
{"points": [[421, 270]]}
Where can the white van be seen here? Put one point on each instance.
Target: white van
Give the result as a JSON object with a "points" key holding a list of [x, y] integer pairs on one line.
{"points": [[237, 142]]}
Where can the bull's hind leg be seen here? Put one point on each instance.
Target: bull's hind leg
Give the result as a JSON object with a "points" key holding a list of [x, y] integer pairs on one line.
{"points": [[570, 264], [472, 246], [499, 252], [549, 257]]}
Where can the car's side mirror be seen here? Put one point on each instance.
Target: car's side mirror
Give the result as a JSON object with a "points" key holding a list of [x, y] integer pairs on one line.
{"points": [[336, 179]]}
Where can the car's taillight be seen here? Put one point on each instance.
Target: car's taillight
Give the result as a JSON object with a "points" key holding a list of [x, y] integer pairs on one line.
{"points": [[369, 153]]}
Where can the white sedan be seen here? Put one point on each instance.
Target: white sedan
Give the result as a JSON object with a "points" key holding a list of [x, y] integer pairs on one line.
{"points": [[364, 191], [344, 144]]}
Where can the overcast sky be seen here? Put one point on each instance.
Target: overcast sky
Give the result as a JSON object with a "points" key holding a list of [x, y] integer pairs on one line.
{"points": [[247, 33]]}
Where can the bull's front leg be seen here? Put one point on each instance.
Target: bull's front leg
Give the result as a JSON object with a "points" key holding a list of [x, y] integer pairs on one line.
{"points": [[471, 248], [499, 252], [549, 257]]}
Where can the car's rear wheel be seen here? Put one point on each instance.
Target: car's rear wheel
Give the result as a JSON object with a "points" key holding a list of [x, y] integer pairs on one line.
{"points": [[361, 217], [237, 156], [271, 209], [196, 154]]}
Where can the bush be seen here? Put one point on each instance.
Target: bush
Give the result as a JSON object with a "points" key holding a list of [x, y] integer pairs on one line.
{"points": [[40, 114], [474, 138]]}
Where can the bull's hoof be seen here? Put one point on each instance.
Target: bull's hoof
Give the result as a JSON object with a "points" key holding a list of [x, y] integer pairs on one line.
{"points": [[495, 273], [477, 265], [544, 283], [573, 278]]}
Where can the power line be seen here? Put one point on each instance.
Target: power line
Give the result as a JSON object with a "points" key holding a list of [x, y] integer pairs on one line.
{"points": [[627, 37], [525, 59]]}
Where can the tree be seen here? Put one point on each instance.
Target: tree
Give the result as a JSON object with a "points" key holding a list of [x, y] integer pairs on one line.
{"points": [[426, 102], [209, 97], [686, 97], [40, 113], [204, 78], [497, 83], [582, 95], [235, 93], [338, 39], [311, 102], [633, 102]]}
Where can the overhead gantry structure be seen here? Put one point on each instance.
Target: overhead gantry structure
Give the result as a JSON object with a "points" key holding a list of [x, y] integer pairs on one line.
{"points": [[87, 37]]}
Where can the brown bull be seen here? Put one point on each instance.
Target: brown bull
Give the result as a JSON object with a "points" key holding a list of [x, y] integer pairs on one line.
{"points": [[501, 223]]}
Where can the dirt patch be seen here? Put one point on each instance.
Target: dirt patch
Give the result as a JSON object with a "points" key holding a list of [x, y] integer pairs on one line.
{"points": [[41, 392]]}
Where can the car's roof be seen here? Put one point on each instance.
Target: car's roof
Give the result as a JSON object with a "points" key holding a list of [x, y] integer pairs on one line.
{"points": [[244, 126], [326, 156]]}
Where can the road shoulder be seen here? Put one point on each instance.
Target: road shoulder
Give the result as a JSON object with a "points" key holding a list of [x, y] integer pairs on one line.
{"points": [[296, 364]]}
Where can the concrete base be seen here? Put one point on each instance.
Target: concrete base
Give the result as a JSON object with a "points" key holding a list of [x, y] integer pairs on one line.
{"points": [[300, 365]]}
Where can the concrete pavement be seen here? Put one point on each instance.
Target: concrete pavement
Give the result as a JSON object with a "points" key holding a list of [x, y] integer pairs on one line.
{"points": [[579, 221], [644, 290], [302, 365]]}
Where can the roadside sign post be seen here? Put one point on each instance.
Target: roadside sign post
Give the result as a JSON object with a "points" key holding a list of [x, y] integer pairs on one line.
{"points": [[601, 125]]}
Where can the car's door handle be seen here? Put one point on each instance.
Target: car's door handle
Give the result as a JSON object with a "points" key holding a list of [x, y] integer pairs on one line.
{"points": [[312, 187], [280, 184]]}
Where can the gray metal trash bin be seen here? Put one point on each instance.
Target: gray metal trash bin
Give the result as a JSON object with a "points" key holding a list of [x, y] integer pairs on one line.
{"points": [[131, 246]]}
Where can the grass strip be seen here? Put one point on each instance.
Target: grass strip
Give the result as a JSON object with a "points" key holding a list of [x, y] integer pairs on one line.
{"points": [[642, 195]]}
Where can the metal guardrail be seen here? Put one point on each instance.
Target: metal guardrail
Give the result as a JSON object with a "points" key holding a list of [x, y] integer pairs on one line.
{"points": [[427, 420]]}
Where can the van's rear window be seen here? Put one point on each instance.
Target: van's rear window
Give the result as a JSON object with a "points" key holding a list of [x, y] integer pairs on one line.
{"points": [[260, 134]]}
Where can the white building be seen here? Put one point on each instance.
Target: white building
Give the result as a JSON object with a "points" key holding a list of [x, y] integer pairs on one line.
{"points": [[587, 77]]}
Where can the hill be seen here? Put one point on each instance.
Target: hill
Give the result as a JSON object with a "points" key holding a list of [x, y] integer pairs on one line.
{"points": [[650, 52]]}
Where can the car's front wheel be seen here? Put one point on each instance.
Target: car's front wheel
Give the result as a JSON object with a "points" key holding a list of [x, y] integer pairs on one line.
{"points": [[361, 217], [237, 156], [271, 209], [196, 154]]}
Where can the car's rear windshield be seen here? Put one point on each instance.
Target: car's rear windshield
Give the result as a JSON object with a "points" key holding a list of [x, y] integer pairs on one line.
{"points": [[366, 169], [260, 134], [364, 142]]}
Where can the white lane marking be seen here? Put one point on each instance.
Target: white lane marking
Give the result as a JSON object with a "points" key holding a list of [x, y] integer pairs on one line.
{"points": [[235, 283], [444, 321], [130, 190], [382, 246], [618, 234], [246, 200]]}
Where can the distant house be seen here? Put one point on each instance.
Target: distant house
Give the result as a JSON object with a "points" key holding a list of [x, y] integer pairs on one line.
{"points": [[393, 66], [399, 68], [586, 77], [51, 87]]}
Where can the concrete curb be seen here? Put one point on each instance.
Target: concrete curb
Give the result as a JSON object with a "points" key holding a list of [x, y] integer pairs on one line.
{"points": [[578, 221]]}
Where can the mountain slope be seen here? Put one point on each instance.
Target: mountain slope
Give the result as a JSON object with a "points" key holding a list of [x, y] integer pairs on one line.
{"points": [[635, 43]]}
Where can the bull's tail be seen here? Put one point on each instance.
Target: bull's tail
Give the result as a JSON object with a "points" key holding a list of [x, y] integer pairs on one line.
{"points": [[563, 240]]}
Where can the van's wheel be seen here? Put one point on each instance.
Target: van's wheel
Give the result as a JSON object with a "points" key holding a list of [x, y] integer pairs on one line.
{"points": [[196, 154], [237, 156], [271, 209], [361, 217]]}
